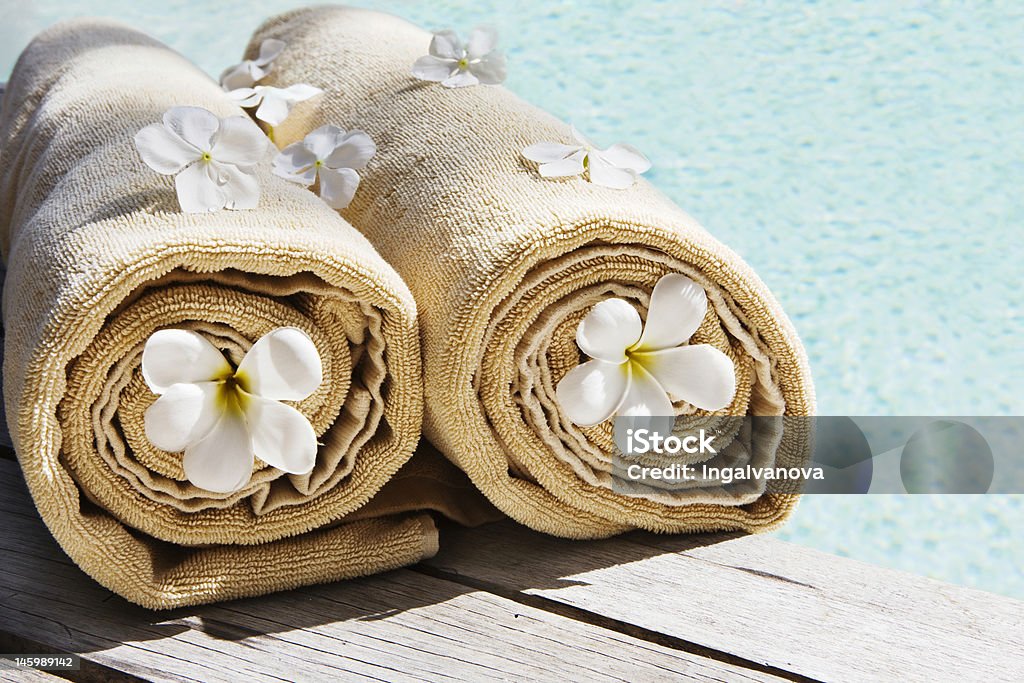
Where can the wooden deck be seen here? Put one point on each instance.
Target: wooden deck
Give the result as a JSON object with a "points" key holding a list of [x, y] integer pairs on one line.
{"points": [[503, 603]]}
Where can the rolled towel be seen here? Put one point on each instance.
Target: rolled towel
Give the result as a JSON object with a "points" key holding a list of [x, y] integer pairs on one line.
{"points": [[100, 257], [505, 264]]}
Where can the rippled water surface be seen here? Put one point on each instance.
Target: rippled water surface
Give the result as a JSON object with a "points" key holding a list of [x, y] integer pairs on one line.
{"points": [[866, 160]]}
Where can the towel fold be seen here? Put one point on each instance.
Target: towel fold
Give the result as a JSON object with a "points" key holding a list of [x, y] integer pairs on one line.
{"points": [[505, 264], [99, 257]]}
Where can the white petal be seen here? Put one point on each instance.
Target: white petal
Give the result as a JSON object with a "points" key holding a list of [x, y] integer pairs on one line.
{"points": [[304, 178], [590, 393], [546, 152], [482, 40], [460, 79], [295, 158], [580, 138], [269, 50], [446, 45], [197, 191], [281, 436], [222, 462], [322, 141], [645, 397], [300, 92], [194, 125], [296, 163], [491, 70], [570, 166], [338, 186], [701, 375], [244, 97], [241, 190], [610, 328], [182, 416], [217, 171], [274, 108], [354, 150], [432, 68], [604, 174], [258, 72], [242, 75], [175, 356], [678, 306], [163, 151], [283, 365], [240, 142], [626, 156]]}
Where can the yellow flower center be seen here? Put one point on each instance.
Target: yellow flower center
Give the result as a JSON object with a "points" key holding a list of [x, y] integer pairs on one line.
{"points": [[207, 157], [318, 163], [232, 392], [464, 63]]}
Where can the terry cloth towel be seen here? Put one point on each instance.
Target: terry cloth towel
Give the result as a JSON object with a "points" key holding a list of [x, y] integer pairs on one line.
{"points": [[505, 264], [99, 256]]}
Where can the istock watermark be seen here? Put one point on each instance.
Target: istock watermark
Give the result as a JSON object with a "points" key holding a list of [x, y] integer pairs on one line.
{"points": [[650, 441], [749, 455]]}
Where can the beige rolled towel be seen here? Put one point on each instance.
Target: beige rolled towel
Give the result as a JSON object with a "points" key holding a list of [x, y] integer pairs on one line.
{"points": [[504, 265], [99, 256]]}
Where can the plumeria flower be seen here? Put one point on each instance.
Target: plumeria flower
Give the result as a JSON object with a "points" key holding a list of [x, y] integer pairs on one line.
{"points": [[455, 65], [251, 71], [332, 156], [639, 370], [222, 417], [213, 160], [616, 167], [274, 103]]}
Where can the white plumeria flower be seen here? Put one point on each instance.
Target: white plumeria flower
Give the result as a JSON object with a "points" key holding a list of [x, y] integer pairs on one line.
{"points": [[455, 65], [213, 160], [222, 417], [274, 103], [639, 370], [616, 167], [251, 71], [333, 156]]}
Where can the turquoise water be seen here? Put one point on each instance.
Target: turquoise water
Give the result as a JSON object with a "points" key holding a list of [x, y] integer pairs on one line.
{"points": [[866, 159]]}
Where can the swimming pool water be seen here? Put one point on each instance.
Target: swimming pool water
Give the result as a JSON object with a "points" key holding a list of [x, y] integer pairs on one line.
{"points": [[867, 159]]}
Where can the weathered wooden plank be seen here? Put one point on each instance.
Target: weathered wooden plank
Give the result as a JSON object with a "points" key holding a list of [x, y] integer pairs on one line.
{"points": [[755, 597], [400, 626], [27, 676]]}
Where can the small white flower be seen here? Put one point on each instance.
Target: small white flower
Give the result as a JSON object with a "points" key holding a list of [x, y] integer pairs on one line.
{"points": [[251, 71], [616, 167], [213, 159], [455, 65], [638, 370], [222, 417], [274, 103], [331, 155]]}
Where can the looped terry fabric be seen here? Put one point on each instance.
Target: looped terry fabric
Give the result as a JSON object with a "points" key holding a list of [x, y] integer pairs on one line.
{"points": [[99, 257], [504, 264]]}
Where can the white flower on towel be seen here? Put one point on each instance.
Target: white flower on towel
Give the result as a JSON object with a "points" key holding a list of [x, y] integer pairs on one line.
{"points": [[222, 417], [332, 156], [455, 65], [251, 71], [616, 167], [638, 370], [274, 103], [213, 160]]}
